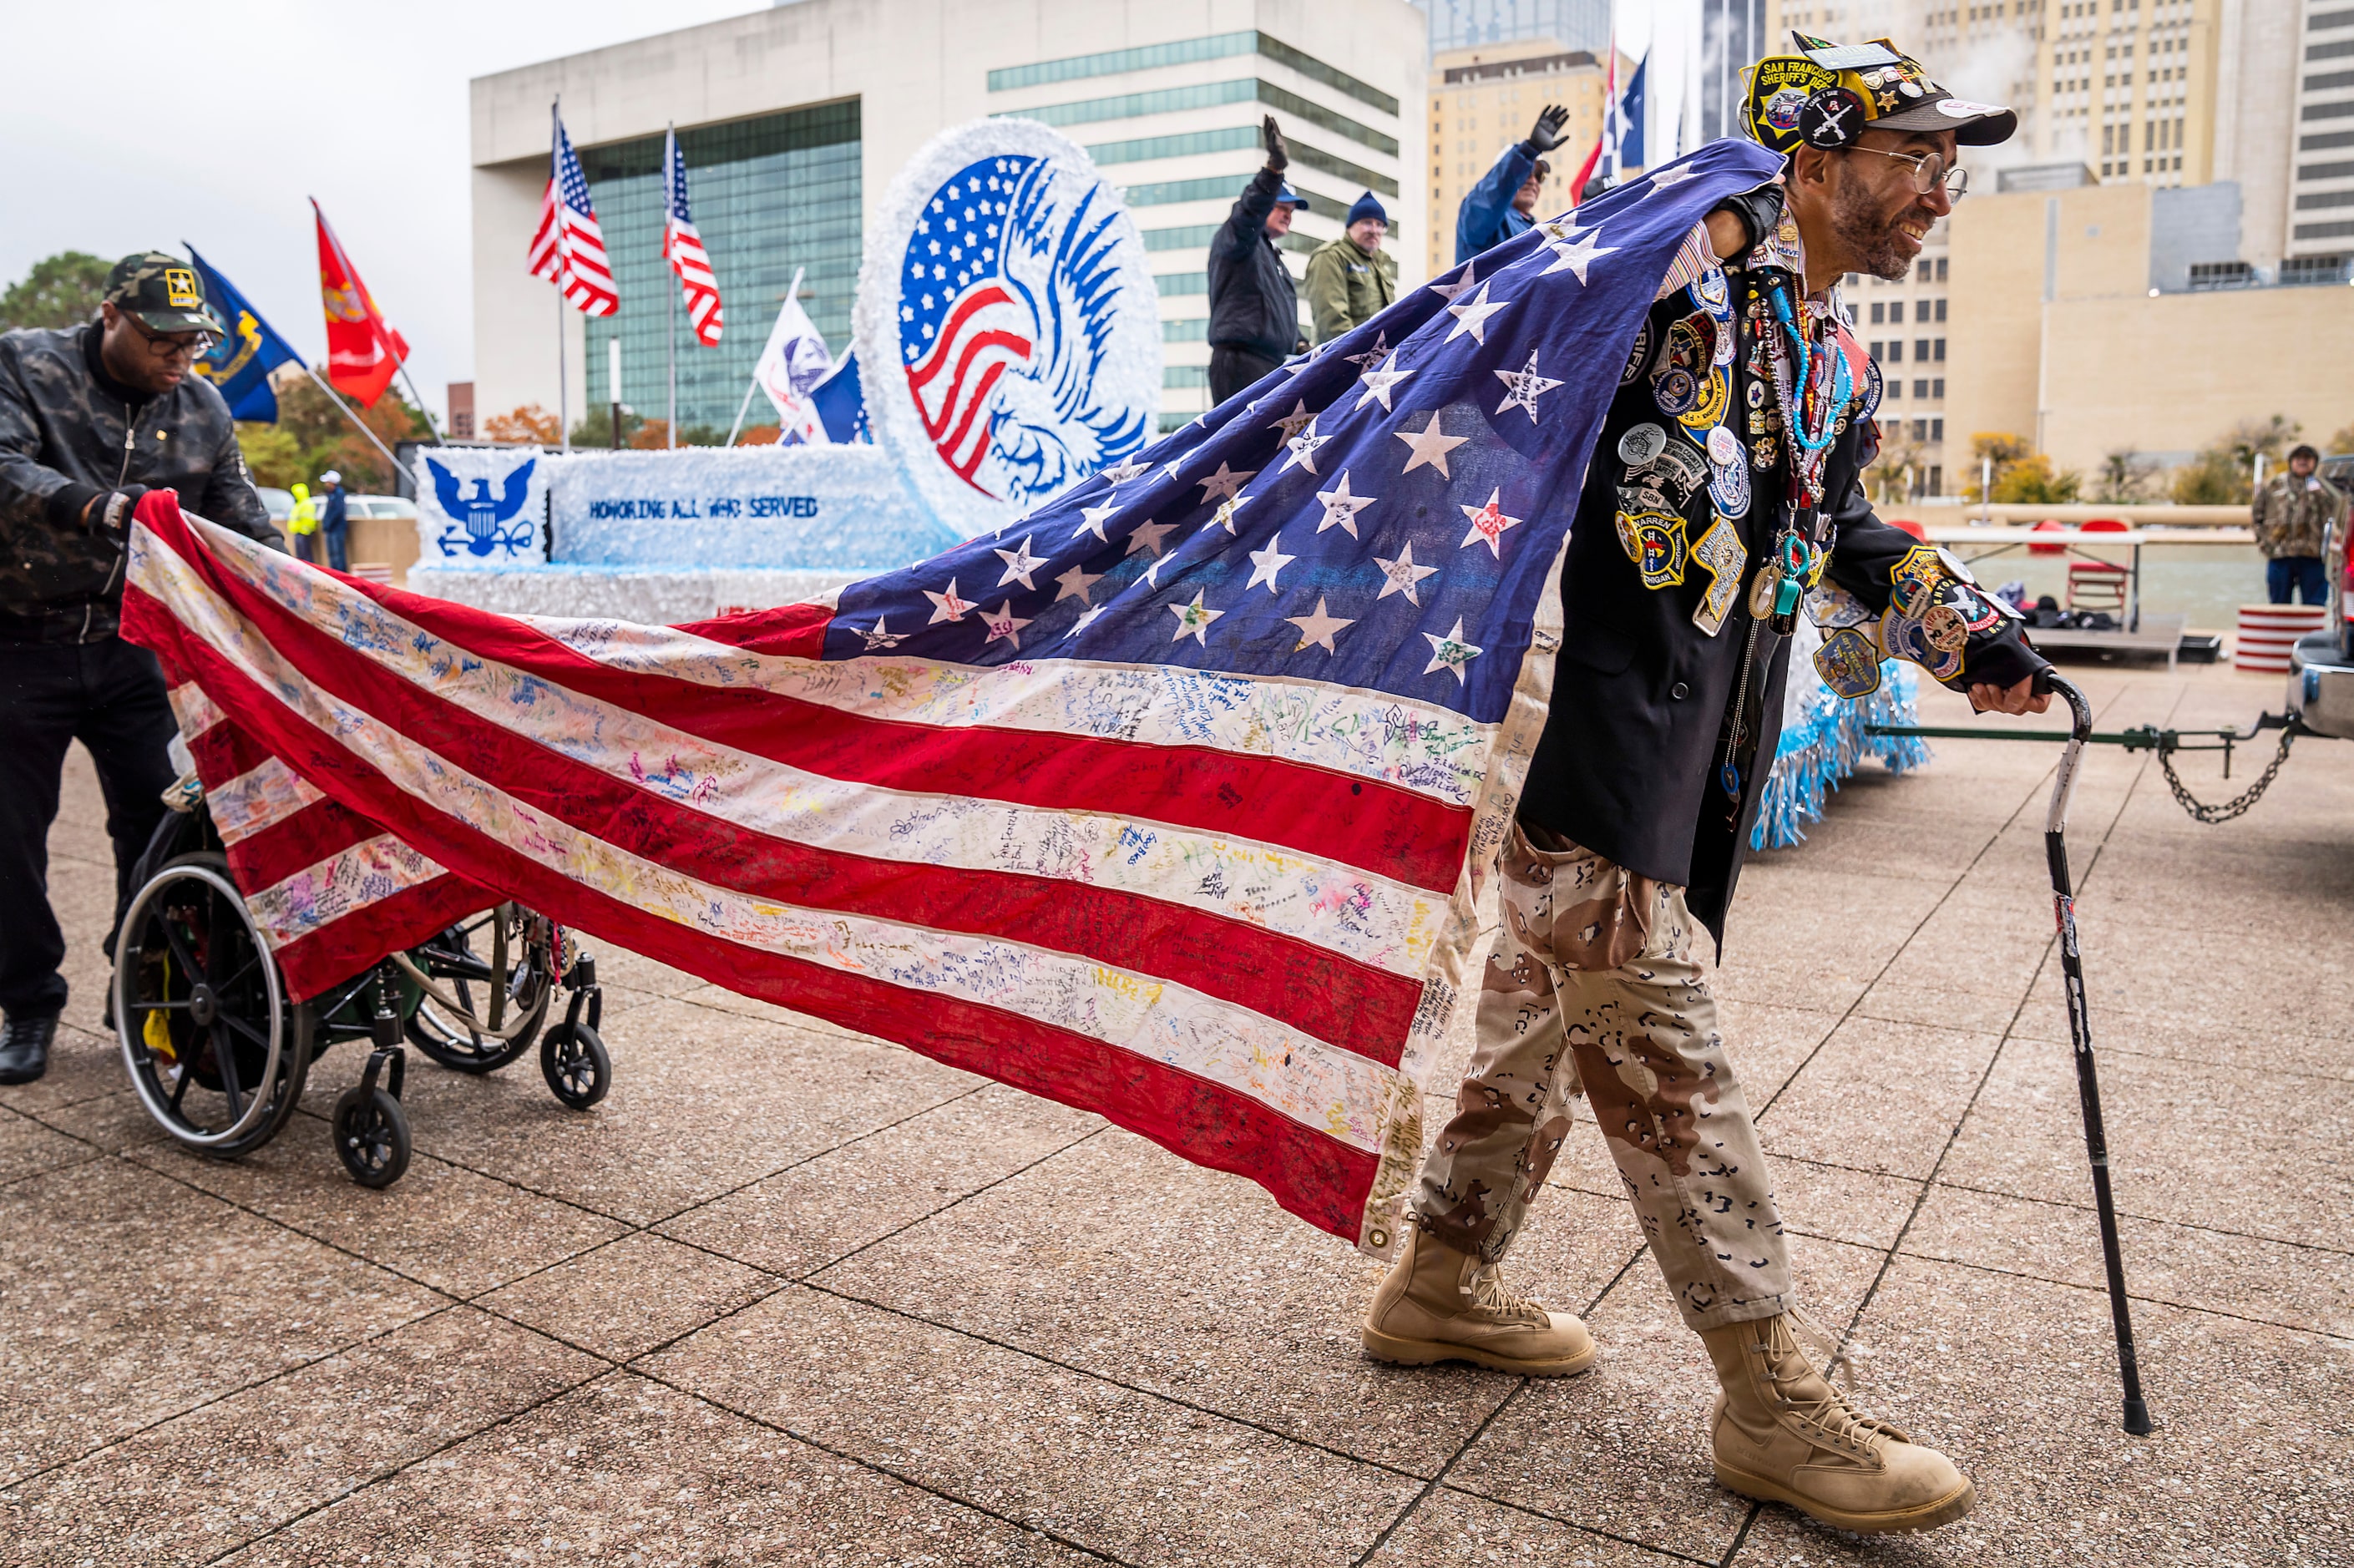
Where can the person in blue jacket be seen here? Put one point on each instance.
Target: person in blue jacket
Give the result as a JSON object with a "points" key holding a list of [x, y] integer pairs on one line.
{"points": [[334, 521], [1504, 202]]}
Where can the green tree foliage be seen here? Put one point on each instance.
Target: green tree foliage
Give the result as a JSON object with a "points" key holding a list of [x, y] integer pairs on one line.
{"points": [[596, 430], [313, 435], [2033, 482], [2224, 475], [2125, 476], [528, 423], [61, 291]]}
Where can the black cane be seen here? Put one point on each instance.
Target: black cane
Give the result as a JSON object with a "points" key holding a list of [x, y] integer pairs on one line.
{"points": [[2079, 1031]]}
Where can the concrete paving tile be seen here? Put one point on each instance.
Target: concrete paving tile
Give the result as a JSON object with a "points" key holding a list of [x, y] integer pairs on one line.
{"points": [[195, 1487], [1859, 1207], [2018, 1382], [1816, 939], [821, 1210], [2294, 1286], [1120, 1472], [1882, 851], [28, 1148], [627, 1468], [106, 1123], [702, 1103], [2232, 1148], [1115, 1257], [2137, 1022], [1878, 1096], [1452, 1527], [450, 1228], [1623, 1449], [129, 1298], [622, 1300], [1766, 1042]]}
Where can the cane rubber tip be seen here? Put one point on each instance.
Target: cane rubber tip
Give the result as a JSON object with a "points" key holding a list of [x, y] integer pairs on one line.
{"points": [[2137, 1421]]}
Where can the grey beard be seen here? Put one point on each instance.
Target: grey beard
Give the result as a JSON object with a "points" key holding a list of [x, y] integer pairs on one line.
{"points": [[1872, 243]]}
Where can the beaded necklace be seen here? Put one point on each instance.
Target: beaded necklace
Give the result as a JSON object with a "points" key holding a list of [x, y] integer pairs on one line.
{"points": [[1810, 418]]}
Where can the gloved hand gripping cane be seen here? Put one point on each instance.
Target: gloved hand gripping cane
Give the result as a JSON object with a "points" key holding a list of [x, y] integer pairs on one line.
{"points": [[2080, 1033]]}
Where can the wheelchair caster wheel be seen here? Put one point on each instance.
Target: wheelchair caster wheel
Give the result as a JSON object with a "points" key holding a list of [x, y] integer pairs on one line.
{"points": [[574, 1062], [371, 1135]]}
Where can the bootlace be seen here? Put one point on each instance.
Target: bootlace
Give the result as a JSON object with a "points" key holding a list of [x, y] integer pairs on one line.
{"points": [[1489, 1293], [1828, 1412]]}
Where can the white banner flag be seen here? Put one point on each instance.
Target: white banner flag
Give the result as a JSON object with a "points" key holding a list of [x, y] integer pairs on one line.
{"points": [[794, 361]]}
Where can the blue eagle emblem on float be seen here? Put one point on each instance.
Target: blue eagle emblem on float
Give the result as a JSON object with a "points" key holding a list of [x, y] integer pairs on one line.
{"points": [[1020, 309], [478, 525]]}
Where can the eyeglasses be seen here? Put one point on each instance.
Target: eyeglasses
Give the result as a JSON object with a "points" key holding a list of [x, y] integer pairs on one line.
{"points": [[173, 346], [1929, 172]]}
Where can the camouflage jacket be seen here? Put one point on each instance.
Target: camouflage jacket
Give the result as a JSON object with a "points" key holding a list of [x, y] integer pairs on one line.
{"points": [[2291, 516], [69, 432]]}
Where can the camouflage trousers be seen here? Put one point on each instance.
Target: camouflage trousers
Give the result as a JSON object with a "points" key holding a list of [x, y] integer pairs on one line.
{"points": [[1593, 987]]}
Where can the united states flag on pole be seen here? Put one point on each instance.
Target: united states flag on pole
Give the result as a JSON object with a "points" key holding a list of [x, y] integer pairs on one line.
{"points": [[568, 248], [682, 248], [1170, 800]]}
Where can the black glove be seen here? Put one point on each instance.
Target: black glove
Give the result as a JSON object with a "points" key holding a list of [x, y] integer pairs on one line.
{"points": [[1278, 156], [1546, 134], [1760, 212], [110, 511]]}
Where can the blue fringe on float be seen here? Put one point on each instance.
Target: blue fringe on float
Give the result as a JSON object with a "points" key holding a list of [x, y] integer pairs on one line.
{"points": [[1825, 742]]}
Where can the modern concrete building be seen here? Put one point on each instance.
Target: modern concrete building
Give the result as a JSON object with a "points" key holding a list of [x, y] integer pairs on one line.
{"points": [[2093, 328], [794, 120], [1481, 101]]}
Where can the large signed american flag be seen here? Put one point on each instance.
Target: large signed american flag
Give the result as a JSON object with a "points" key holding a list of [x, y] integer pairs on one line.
{"points": [[1169, 801]]}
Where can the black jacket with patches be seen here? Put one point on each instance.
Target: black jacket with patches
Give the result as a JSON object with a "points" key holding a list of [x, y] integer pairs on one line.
{"points": [[1631, 761], [69, 432], [1254, 303]]}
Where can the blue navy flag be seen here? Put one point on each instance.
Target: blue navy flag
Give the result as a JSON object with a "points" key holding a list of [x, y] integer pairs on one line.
{"points": [[1626, 118], [240, 364], [840, 402]]}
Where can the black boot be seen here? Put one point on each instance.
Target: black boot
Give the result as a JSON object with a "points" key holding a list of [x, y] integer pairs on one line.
{"points": [[24, 1047]]}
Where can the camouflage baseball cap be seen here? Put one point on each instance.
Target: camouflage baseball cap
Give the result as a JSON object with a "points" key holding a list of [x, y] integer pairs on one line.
{"points": [[162, 291], [1828, 95]]}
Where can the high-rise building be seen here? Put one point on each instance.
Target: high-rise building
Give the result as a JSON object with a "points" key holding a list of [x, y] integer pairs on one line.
{"points": [[1484, 100], [2319, 243], [794, 120], [1571, 24]]}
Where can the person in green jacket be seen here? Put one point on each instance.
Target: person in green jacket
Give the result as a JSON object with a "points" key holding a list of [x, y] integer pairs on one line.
{"points": [[1351, 279]]}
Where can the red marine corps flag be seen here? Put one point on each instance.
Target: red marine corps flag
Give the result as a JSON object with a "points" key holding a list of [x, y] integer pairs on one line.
{"points": [[363, 353]]}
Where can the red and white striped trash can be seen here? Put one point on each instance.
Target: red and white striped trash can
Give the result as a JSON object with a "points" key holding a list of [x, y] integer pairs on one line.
{"points": [[2267, 631]]}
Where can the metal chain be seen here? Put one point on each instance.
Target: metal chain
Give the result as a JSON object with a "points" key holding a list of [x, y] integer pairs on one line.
{"points": [[2229, 809]]}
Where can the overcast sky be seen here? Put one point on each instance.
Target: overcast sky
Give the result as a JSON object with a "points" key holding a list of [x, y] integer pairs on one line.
{"points": [[141, 124]]}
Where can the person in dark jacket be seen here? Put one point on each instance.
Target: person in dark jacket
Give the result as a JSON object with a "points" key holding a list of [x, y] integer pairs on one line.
{"points": [[91, 419], [334, 521], [1504, 202], [1724, 498], [1253, 307]]}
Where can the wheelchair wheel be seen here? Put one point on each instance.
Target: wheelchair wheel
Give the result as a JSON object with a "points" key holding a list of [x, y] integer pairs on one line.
{"points": [[487, 982], [574, 1062], [216, 1050], [371, 1134]]}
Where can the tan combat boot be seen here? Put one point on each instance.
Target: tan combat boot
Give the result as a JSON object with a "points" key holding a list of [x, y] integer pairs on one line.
{"points": [[1783, 1433], [1439, 1305]]}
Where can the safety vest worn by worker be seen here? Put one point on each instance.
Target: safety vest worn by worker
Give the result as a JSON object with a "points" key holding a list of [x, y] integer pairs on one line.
{"points": [[305, 517]]}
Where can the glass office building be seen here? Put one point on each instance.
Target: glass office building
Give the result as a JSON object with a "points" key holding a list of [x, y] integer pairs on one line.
{"points": [[1469, 24], [769, 195]]}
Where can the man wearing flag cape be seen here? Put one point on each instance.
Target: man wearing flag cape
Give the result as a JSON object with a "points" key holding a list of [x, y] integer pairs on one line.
{"points": [[1722, 499]]}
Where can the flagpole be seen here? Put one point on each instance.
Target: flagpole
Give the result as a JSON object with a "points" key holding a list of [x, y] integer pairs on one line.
{"points": [[360, 424], [670, 154], [563, 413], [793, 292]]}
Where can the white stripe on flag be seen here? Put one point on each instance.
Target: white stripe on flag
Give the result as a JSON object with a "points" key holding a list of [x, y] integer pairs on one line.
{"points": [[343, 884], [196, 711], [261, 797]]}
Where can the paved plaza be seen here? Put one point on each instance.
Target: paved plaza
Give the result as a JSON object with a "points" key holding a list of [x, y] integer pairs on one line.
{"points": [[793, 1296]]}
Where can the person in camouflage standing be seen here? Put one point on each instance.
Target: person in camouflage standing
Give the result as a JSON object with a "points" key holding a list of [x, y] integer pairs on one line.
{"points": [[91, 419], [2293, 516]]}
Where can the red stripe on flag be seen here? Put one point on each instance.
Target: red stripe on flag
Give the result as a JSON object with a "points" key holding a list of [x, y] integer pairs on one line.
{"points": [[1322, 1180], [1313, 989]]}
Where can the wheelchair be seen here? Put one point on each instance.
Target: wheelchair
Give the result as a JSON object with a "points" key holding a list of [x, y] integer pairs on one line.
{"points": [[220, 1053]]}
